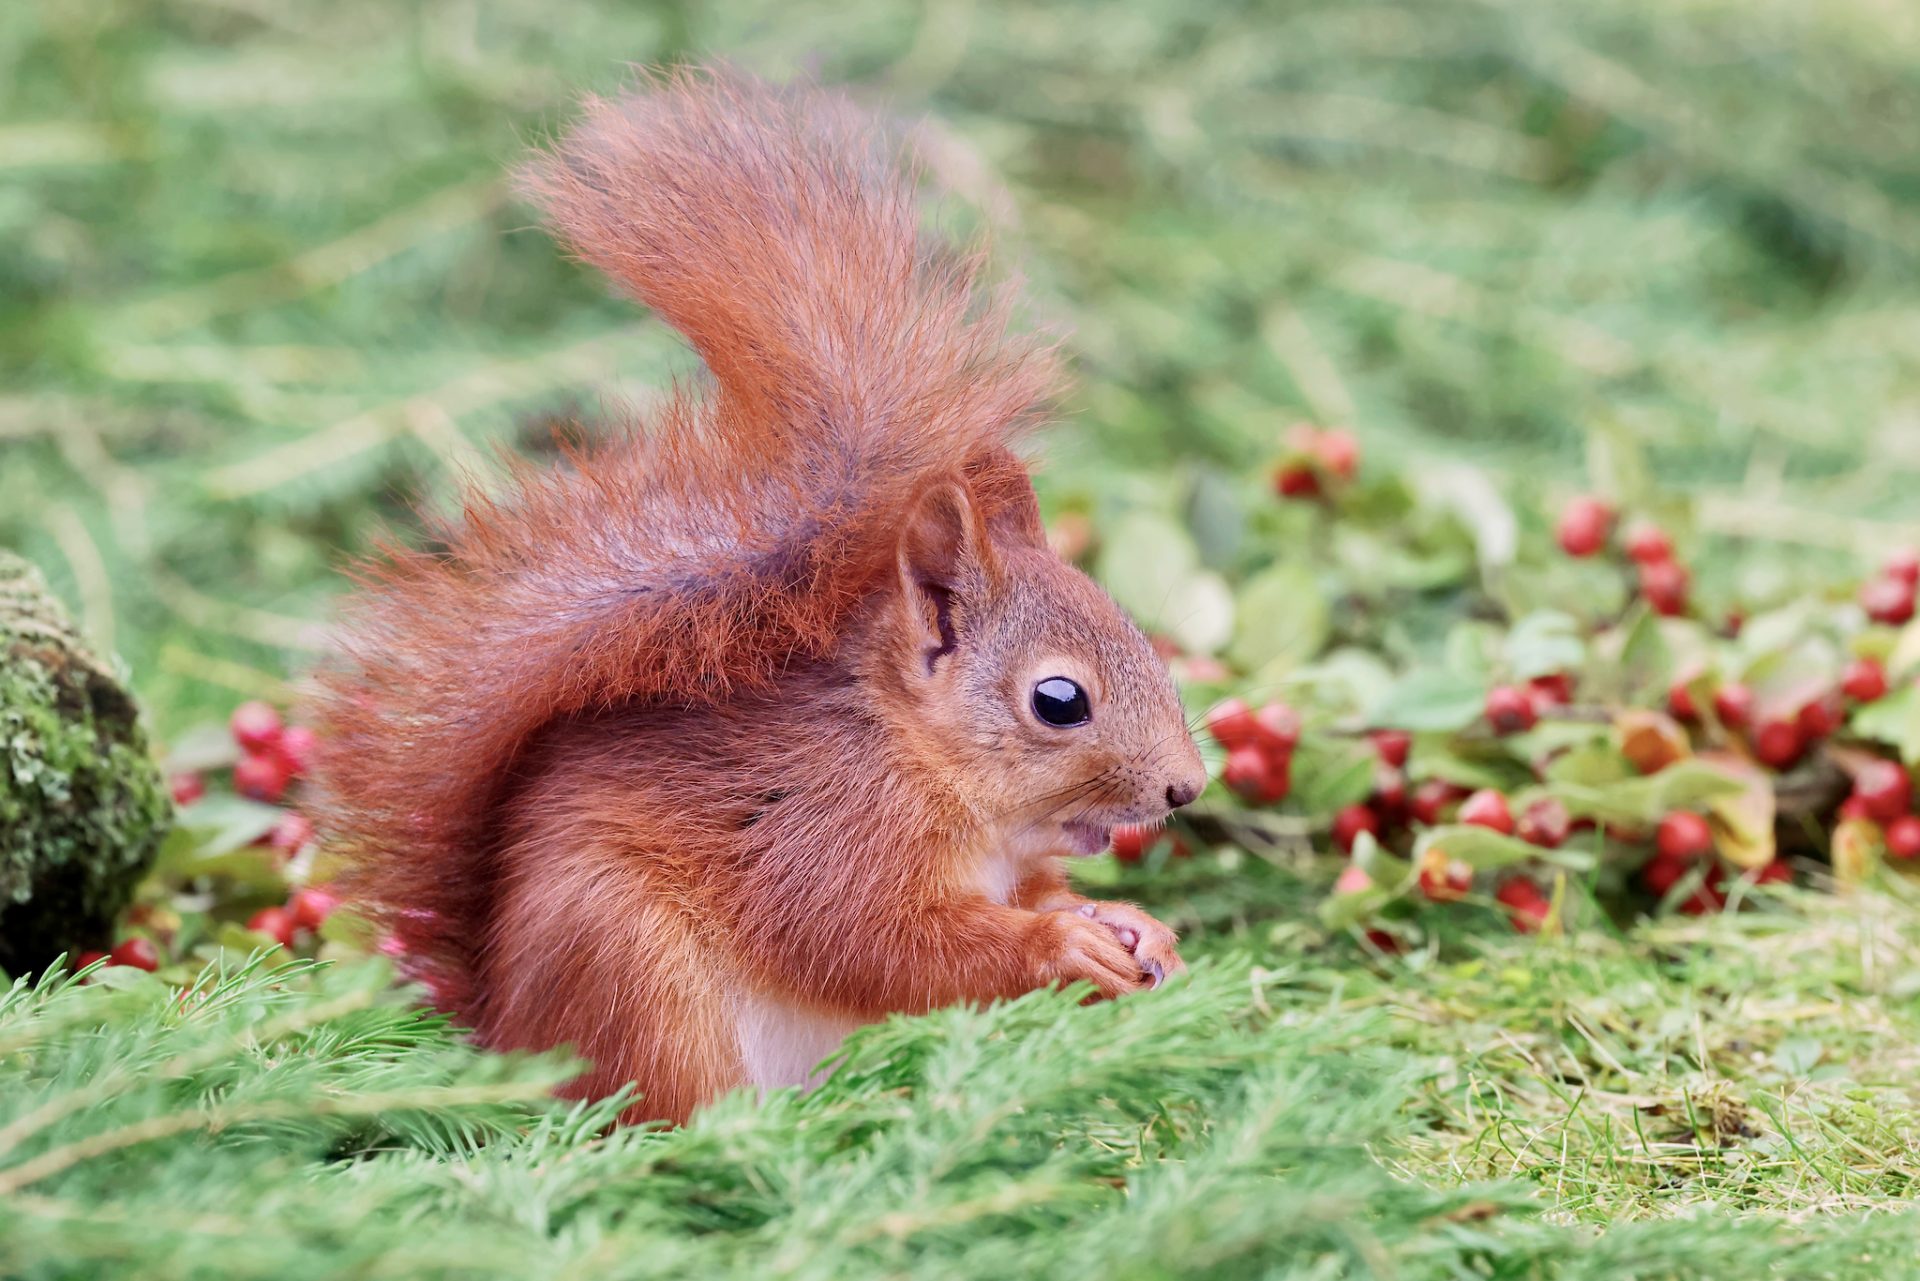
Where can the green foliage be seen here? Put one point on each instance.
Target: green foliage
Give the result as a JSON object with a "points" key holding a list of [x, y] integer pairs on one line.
{"points": [[302, 1123], [83, 808], [1317, 1119]]}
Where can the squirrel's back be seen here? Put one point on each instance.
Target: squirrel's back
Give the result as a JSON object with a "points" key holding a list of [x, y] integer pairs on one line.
{"points": [[854, 365]]}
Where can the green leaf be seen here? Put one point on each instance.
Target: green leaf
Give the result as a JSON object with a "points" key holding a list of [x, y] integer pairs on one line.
{"points": [[1642, 663], [204, 747], [1894, 720], [1431, 699], [1473, 650], [1199, 613], [226, 823], [1642, 801], [1283, 620], [1480, 848], [1544, 642], [1347, 679], [1595, 765], [1144, 560], [1470, 495], [1331, 772]]}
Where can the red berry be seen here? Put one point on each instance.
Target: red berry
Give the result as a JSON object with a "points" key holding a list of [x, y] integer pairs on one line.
{"points": [[1778, 872], [297, 747], [1779, 744], [187, 788], [85, 959], [1231, 724], [1659, 875], [1733, 704], [1820, 717], [1255, 776], [1445, 880], [1509, 710], [1555, 689], [1545, 823], [1129, 844], [1526, 905], [274, 922], [1353, 879], [1389, 799], [1388, 943], [256, 726], [291, 834], [261, 778], [1350, 822], [1888, 600], [138, 952], [1648, 544], [1664, 584], [1584, 525], [1884, 789], [1680, 702], [310, 907], [1339, 452], [1296, 480], [1903, 563], [1393, 746], [1684, 835], [1487, 808], [1854, 810], [1865, 680], [1279, 781], [1903, 837], [1276, 729], [1431, 799]]}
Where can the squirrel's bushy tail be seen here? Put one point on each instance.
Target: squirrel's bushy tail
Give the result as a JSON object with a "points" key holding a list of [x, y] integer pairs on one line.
{"points": [[854, 364]]}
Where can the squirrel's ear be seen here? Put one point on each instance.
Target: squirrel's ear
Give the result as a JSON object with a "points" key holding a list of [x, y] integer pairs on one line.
{"points": [[946, 563], [1003, 494]]}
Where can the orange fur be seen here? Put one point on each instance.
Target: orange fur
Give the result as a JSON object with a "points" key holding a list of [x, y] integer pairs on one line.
{"points": [[709, 744]]}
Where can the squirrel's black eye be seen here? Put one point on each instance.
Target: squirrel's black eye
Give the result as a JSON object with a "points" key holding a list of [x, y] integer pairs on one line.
{"points": [[1059, 701]]}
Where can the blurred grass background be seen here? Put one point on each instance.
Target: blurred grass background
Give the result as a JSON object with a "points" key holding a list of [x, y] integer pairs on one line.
{"points": [[263, 284]]}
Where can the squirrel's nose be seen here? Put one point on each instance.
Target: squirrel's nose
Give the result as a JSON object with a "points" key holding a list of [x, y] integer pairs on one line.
{"points": [[1182, 793]]}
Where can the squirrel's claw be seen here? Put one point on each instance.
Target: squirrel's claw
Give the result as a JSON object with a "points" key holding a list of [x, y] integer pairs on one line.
{"points": [[1152, 944]]}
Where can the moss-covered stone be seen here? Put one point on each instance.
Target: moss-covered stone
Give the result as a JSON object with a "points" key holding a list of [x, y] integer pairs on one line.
{"points": [[83, 806]]}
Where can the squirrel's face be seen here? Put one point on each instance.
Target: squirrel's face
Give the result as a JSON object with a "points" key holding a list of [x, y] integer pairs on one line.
{"points": [[1047, 702]]}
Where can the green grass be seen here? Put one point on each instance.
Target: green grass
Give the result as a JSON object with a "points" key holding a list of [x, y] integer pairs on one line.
{"points": [[262, 287], [1725, 1097]]}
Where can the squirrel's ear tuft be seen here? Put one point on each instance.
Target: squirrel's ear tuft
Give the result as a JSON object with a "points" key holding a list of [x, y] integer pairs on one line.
{"points": [[946, 565], [1003, 495]]}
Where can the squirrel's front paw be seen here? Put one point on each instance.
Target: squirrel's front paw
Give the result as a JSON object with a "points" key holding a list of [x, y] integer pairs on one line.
{"points": [[1071, 948], [1154, 947]]}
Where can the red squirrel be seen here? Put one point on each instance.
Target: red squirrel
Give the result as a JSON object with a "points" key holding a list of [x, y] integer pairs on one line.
{"points": [[776, 714]]}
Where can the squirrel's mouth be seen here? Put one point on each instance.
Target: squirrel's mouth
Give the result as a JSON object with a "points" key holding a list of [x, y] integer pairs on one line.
{"points": [[1086, 839]]}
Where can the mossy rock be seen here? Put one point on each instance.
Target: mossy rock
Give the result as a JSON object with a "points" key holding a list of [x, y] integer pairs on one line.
{"points": [[83, 806]]}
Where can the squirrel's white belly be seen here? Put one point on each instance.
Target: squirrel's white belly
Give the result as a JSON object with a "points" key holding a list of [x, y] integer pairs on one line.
{"points": [[782, 1043]]}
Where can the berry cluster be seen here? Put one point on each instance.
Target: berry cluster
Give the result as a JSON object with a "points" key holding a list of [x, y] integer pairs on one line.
{"points": [[1888, 598], [1259, 748], [1315, 461], [1882, 801], [1586, 525], [271, 759]]}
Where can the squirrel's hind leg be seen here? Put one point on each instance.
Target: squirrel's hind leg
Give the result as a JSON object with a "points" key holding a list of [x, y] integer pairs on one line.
{"points": [[584, 955]]}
